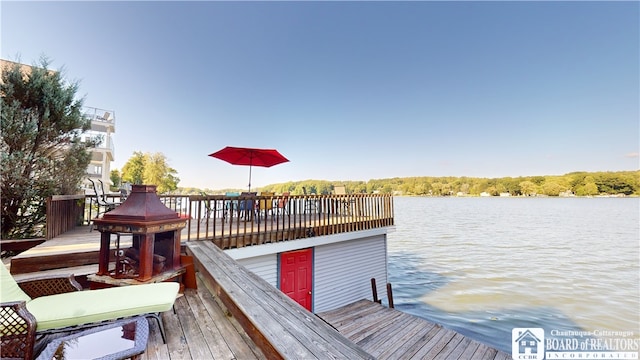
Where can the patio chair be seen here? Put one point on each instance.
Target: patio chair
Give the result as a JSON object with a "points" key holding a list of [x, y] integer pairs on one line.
{"points": [[246, 206], [209, 209], [104, 117], [283, 202], [345, 203], [265, 205], [32, 309], [125, 191], [230, 206], [101, 200]]}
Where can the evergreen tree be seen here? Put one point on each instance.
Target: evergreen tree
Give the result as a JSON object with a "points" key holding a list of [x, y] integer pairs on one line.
{"points": [[41, 150]]}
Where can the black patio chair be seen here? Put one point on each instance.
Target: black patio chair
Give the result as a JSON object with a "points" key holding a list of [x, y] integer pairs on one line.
{"points": [[101, 200]]}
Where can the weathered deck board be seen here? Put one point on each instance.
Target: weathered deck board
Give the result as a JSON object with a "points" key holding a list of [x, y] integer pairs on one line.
{"points": [[425, 343], [391, 334], [364, 332], [221, 345], [278, 325], [407, 343], [199, 329]]}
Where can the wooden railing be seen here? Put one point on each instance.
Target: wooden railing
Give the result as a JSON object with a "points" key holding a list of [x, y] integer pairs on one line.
{"points": [[93, 209], [238, 221], [64, 212], [249, 220], [178, 203]]}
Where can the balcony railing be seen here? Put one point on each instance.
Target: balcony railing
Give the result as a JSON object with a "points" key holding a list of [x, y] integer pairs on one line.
{"points": [[238, 221], [101, 115], [105, 144]]}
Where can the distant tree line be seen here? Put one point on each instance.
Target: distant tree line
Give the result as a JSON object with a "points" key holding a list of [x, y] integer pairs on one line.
{"points": [[575, 183]]}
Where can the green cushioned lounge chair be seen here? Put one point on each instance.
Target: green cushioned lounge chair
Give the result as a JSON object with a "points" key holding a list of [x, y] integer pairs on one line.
{"points": [[41, 306]]}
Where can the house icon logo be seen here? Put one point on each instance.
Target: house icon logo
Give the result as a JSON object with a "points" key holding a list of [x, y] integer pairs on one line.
{"points": [[527, 343]]}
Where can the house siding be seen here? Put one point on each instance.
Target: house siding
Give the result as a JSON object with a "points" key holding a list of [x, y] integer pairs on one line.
{"points": [[265, 266], [343, 265], [343, 272]]}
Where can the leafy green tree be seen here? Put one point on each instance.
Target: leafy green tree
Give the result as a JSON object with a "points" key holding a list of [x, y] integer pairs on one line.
{"points": [[116, 179], [437, 188], [538, 180], [588, 189], [152, 169], [613, 183], [577, 179], [528, 188], [420, 189], [511, 185], [360, 187], [387, 189], [552, 188], [157, 171], [41, 149], [133, 169]]}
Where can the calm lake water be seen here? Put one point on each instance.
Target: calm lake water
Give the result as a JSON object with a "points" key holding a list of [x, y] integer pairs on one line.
{"points": [[482, 266]]}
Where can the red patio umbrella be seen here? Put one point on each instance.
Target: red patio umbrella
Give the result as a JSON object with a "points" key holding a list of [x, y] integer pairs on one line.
{"points": [[250, 156]]}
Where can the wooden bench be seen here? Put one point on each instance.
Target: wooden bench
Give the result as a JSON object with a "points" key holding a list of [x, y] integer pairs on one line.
{"points": [[278, 325]]}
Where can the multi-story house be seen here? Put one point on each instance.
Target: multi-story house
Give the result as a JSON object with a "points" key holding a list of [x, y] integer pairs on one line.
{"points": [[103, 125]]}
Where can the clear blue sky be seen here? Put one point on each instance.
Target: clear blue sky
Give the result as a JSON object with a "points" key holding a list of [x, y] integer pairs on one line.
{"points": [[351, 90]]}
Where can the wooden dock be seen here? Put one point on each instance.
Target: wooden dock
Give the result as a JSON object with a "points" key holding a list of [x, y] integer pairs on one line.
{"points": [[233, 313], [391, 334], [203, 328]]}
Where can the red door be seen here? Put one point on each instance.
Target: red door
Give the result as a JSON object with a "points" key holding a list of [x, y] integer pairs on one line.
{"points": [[296, 274]]}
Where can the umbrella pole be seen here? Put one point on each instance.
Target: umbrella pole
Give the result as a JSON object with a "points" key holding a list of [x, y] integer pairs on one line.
{"points": [[250, 163]]}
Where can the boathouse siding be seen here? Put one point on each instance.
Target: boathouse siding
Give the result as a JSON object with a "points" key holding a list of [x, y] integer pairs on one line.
{"points": [[343, 265]]}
